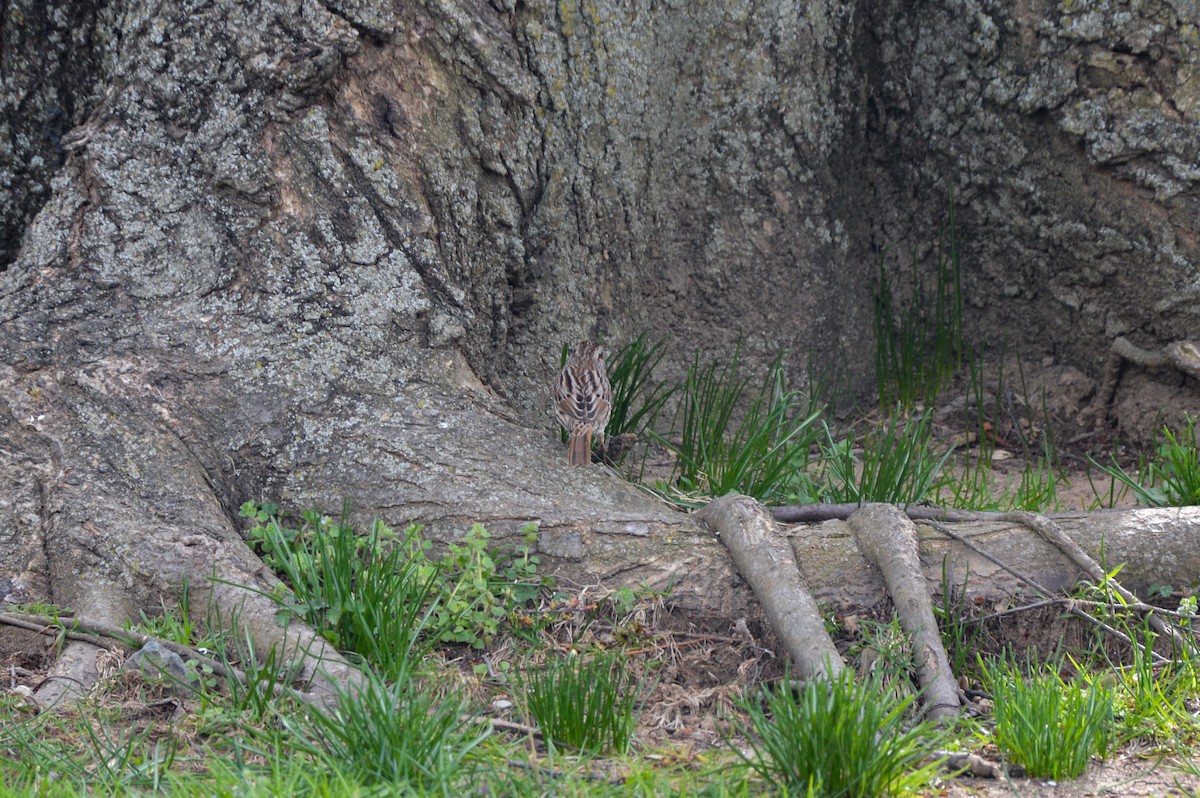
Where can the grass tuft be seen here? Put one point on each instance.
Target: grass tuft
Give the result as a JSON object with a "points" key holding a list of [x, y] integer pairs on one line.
{"points": [[399, 733], [1171, 476], [366, 597], [836, 737], [897, 466], [919, 347], [637, 400], [1050, 726], [756, 456], [586, 703]]}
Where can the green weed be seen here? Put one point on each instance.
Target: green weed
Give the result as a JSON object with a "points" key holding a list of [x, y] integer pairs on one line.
{"points": [[835, 737], [897, 466], [917, 348], [400, 734], [366, 597], [346, 584], [953, 621], [637, 400], [1049, 726], [758, 455], [584, 702], [1171, 476]]}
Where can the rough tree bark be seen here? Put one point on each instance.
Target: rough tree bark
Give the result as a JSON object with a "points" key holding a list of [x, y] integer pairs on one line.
{"points": [[311, 251]]}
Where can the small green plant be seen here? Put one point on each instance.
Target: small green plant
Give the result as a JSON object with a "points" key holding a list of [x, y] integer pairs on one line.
{"points": [[897, 466], [838, 738], [973, 488], [1151, 699], [399, 734], [583, 702], [258, 696], [884, 654], [173, 623], [348, 585], [919, 347], [1171, 476], [637, 400], [759, 454], [366, 597], [100, 759], [1050, 726], [1038, 489], [489, 590], [953, 619]]}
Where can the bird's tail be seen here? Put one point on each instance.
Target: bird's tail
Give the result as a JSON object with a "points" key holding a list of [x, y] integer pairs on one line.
{"points": [[579, 448]]}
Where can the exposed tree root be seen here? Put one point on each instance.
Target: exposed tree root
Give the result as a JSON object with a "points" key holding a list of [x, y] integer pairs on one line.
{"points": [[1073, 607], [888, 539], [1183, 356], [75, 671], [765, 560], [1051, 532]]}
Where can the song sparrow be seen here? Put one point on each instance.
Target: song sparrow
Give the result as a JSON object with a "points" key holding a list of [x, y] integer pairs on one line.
{"points": [[583, 400]]}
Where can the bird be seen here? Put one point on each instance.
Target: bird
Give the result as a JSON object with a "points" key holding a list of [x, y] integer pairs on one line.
{"points": [[583, 400]]}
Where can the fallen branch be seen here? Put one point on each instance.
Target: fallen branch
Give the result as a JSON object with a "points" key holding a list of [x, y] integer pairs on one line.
{"points": [[813, 513]]}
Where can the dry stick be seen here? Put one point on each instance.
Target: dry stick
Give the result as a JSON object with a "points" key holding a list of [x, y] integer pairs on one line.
{"points": [[945, 530], [120, 635], [888, 539], [809, 513], [1037, 605], [765, 560], [1103, 605], [50, 627], [1054, 535], [1137, 606]]}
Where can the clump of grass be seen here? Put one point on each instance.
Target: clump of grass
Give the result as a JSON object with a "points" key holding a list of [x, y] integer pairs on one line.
{"points": [[398, 733], [883, 652], [757, 455], [1049, 726], [836, 737], [1040, 479], [1151, 700], [953, 617], [637, 399], [367, 595], [583, 702], [1171, 476], [346, 585], [898, 464], [919, 347]]}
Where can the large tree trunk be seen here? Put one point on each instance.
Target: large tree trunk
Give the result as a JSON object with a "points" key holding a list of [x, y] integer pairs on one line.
{"points": [[307, 252]]}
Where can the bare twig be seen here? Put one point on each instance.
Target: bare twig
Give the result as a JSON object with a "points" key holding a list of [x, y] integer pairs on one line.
{"points": [[1041, 591], [129, 639], [1054, 535]]}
